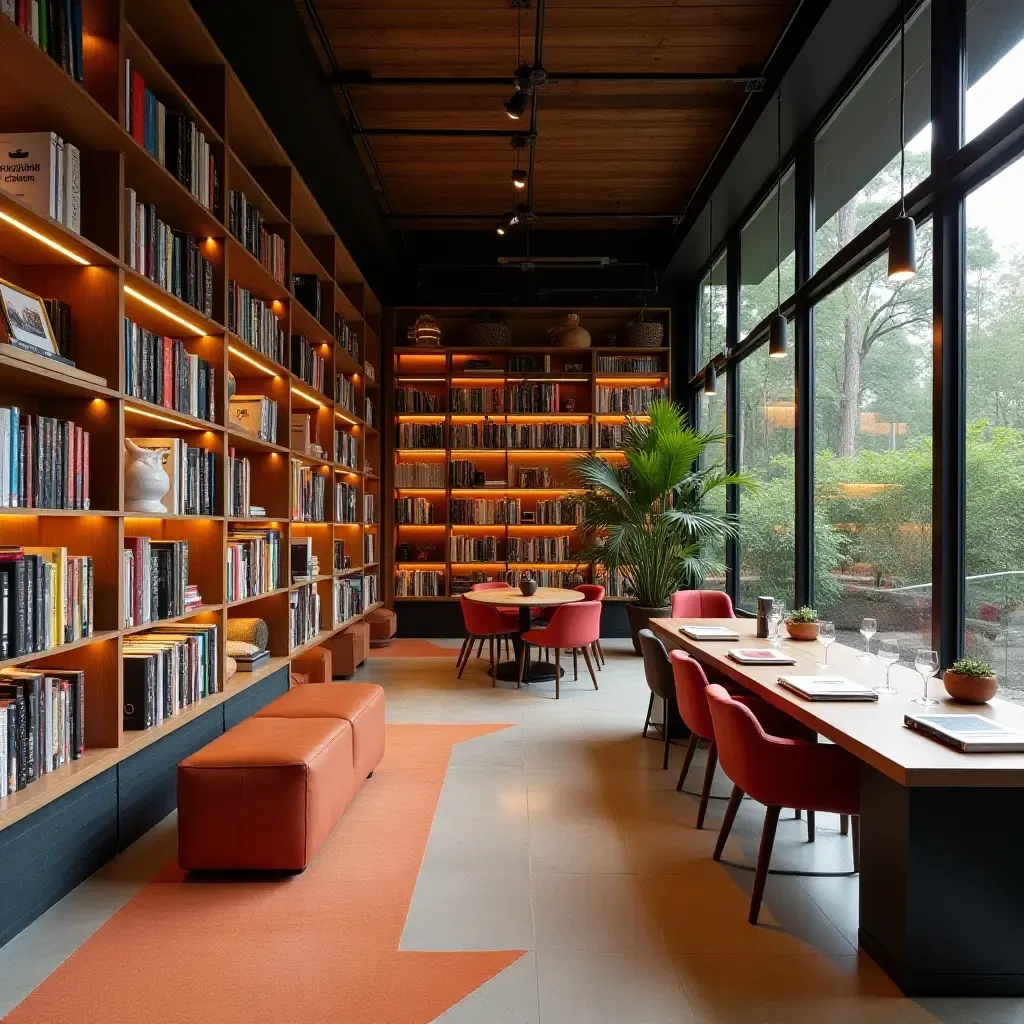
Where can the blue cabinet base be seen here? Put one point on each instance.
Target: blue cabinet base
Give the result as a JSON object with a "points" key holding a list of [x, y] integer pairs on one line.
{"points": [[44, 856]]}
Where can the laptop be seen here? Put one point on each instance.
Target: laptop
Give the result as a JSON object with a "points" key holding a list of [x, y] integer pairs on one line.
{"points": [[971, 734], [829, 688]]}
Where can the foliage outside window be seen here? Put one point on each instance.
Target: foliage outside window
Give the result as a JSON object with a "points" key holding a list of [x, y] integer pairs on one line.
{"points": [[873, 452]]}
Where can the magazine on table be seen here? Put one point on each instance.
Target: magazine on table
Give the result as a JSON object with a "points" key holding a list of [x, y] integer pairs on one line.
{"points": [[828, 688], [971, 734], [760, 656], [697, 632]]}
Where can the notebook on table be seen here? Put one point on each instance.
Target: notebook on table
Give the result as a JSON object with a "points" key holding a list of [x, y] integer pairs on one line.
{"points": [[827, 688], [695, 632], [760, 656], [971, 734]]}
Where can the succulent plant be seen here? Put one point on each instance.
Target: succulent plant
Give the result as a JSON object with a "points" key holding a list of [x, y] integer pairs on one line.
{"points": [[975, 668], [804, 614]]}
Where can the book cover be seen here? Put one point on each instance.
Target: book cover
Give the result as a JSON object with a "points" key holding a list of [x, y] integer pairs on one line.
{"points": [[28, 169]]}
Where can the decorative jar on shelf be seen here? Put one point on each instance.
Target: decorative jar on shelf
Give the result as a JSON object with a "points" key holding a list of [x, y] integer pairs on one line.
{"points": [[425, 331], [145, 479], [569, 333], [490, 330], [644, 333]]}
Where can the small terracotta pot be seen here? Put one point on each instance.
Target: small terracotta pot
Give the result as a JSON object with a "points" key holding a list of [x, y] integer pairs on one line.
{"points": [[802, 630], [970, 689]]}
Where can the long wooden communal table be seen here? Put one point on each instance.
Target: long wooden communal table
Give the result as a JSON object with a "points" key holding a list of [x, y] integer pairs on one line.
{"points": [[942, 833]]}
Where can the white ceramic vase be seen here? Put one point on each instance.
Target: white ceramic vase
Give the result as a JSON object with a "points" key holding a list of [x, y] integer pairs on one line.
{"points": [[145, 480]]}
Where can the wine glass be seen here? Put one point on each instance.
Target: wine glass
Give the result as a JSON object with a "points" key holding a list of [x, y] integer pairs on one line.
{"points": [[775, 620], [868, 628], [927, 665], [826, 637], [888, 655]]}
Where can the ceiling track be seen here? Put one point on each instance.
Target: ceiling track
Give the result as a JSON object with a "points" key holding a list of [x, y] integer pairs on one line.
{"points": [[597, 215], [754, 82]]}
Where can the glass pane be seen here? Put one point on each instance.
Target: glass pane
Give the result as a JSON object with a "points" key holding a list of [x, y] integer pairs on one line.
{"points": [[857, 155], [995, 432], [873, 454], [767, 513], [995, 61], [712, 418], [712, 314], [759, 258]]}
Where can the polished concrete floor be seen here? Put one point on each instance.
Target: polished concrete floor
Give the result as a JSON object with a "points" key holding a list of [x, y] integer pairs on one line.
{"points": [[561, 835]]}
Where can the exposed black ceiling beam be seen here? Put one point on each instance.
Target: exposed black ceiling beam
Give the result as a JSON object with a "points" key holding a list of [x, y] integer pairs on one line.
{"points": [[360, 77], [795, 34], [540, 214], [454, 133]]}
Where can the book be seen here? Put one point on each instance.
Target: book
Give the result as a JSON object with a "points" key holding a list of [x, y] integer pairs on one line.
{"points": [[828, 688], [970, 734], [251, 662], [140, 690], [29, 169], [759, 656], [161, 370], [695, 632]]}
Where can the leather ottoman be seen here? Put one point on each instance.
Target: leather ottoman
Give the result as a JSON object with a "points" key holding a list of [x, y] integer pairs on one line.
{"points": [[316, 663], [265, 794], [350, 648], [361, 704], [383, 625]]}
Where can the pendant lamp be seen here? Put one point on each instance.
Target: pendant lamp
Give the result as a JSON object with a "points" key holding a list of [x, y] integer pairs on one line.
{"points": [[710, 378], [778, 343], [903, 233]]}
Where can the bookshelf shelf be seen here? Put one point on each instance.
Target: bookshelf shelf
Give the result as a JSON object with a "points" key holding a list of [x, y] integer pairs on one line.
{"points": [[173, 53], [485, 404]]}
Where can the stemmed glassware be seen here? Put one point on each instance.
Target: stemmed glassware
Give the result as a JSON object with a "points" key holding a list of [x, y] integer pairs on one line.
{"points": [[888, 655], [868, 628], [826, 637], [927, 665], [775, 620]]}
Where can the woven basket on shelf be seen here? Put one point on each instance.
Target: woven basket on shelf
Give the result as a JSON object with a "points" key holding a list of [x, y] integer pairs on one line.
{"points": [[643, 333], [489, 333]]}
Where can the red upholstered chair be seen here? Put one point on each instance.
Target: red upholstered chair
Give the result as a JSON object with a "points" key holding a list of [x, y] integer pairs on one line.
{"points": [[483, 622], [691, 699], [590, 592], [512, 614], [702, 604], [778, 772], [572, 627]]}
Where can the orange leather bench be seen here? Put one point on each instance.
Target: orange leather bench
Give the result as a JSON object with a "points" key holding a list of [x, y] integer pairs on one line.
{"points": [[265, 794]]}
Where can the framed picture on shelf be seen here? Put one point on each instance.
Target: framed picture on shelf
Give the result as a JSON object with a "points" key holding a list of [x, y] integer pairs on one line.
{"points": [[25, 320]]}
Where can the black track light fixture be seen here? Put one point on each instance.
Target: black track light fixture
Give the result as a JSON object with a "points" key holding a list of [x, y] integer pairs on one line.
{"points": [[903, 233], [710, 378], [517, 104], [519, 178]]}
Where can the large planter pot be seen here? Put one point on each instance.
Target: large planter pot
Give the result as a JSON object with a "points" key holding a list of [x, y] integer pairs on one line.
{"points": [[969, 689], [802, 630], [638, 616]]}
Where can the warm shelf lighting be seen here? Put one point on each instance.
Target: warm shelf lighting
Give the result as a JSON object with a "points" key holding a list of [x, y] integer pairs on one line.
{"points": [[249, 359], [145, 300], [342, 416], [424, 380], [307, 394], [39, 237], [163, 419]]}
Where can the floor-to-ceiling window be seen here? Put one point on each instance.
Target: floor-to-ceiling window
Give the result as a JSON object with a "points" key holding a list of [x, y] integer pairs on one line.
{"points": [[766, 246], [873, 453], [767, 423], [994, 537]]}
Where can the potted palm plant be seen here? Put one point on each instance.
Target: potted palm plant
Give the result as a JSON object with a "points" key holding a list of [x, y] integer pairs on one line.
{"points": [[648, 517]]}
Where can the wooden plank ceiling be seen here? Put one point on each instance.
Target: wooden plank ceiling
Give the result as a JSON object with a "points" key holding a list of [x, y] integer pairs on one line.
{"points": [[605, 147]]}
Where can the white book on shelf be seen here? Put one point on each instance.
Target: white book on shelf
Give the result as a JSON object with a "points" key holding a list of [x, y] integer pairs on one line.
{"points": [[29, 161]]}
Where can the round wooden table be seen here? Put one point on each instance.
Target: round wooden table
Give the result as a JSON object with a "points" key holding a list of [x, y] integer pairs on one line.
{"points": [[513, 597]]}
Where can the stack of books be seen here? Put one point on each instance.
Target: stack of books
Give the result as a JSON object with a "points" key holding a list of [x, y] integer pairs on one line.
{"points": [[253, 320], [239, 485], [245, 222], [54, 27], [348, 599], [303, 614], [46, 599], [161, 370], [173, 139], [167, 669], [345, 496], [307, 363], [308, 489], [156, 580], [44, 462], [254, 563], [45, 172], [42, 723]]}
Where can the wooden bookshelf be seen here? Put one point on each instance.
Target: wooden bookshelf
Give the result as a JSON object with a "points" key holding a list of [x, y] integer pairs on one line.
{"points": [[178, 60], [459, 364]]}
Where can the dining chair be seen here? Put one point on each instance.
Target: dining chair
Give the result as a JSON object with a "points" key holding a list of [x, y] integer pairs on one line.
{"points": [[691, 686], [573, 627], [658, 671], [702, 604], [483, 622], [590, 592], [508, 613], [778, 772]]}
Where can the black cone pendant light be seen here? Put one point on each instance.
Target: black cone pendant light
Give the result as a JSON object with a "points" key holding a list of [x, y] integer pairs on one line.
{"points": [[903, 233], [778, 342]]}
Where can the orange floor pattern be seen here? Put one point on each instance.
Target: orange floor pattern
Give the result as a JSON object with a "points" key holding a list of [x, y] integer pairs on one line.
{"points": [[317, 947]]}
